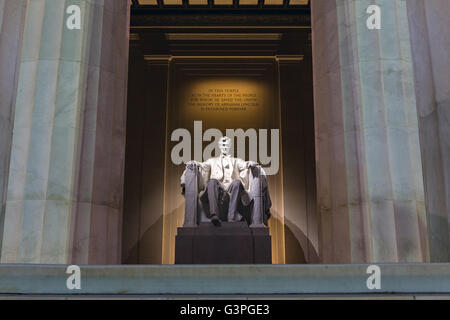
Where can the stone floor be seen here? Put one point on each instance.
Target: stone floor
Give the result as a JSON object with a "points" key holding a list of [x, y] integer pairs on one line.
{"points": [[227, 297], [402, 281]]}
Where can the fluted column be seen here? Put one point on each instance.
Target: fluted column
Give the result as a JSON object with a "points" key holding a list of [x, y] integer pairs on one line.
{"points": [[370, 184], [64, 194], [430, 39], [12, 17]]}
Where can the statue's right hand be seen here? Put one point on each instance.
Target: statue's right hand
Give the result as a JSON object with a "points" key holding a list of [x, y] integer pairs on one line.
{"points": [[190, 164]]}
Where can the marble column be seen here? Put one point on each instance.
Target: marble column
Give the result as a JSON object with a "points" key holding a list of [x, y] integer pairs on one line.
{"points": [[12, 17], [430, 39], [64, 192], [369, 168]]}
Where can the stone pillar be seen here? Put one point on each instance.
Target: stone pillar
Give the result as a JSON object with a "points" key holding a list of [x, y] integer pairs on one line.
{"points": [[64, 194], [369, 168], [430, 39], [12, 17]]}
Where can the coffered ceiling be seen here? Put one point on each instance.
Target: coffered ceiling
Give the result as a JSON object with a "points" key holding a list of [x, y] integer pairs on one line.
{"points": [[219, 3], [161, 28]]}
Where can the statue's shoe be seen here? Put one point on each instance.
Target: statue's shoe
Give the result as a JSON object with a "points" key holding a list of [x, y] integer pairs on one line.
{"points": [[215, 221]]}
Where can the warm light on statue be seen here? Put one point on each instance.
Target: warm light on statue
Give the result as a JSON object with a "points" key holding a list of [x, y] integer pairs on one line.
{"points": [[225, 188]]}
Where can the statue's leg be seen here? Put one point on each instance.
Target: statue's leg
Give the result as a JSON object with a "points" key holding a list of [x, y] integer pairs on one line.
{"points": [[235, 190], [213, 199], [224, 202]]}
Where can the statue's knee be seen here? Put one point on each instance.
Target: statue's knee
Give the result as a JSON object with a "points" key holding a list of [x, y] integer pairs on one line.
{"points": [[213, 182], [236, 184]]}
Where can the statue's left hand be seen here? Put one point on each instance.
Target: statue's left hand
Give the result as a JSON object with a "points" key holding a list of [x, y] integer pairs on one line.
{"points": [[252, 164]]}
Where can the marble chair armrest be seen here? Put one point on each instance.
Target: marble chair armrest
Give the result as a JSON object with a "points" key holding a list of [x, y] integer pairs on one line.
{"points": [[256, 176], [254, 179], [190, 184]]}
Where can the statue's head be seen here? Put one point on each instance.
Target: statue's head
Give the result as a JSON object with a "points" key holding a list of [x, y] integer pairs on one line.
{"points": [[224, 145]]}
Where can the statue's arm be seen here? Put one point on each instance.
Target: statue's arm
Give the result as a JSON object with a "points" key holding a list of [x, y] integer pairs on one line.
{"points": [[204, 171], [251, 164], [189, 166], [205, 166], [242, 165]]}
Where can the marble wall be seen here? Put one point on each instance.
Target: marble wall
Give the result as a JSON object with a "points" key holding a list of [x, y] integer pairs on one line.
{"points": [[369, 167], [12, 17], [430, 39], [142, 237], [64, 192], [299, 176]]}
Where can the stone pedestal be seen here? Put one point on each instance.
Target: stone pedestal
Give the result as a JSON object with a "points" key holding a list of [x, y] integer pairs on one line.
{"points": [[231, 243]]}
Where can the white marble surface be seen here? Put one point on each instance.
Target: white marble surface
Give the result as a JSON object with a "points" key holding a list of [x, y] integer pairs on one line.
{"points": [[64, 195], [260, 281], [430, 38], [369, 167], [12, 14]]}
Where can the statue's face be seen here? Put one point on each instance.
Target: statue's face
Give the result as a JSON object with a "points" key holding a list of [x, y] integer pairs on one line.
{"points": [[224, 145]]}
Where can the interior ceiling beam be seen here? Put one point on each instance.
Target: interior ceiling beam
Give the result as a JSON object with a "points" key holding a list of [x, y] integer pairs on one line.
{"points": [[223, 36], [220, 3], [203, 13]]}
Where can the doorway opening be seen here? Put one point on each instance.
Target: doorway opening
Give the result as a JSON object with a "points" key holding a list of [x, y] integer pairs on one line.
{"points": [[249, 71]]}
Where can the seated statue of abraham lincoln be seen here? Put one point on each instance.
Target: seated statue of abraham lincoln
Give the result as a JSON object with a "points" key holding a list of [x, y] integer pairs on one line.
{"points": [[225, 188]]}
